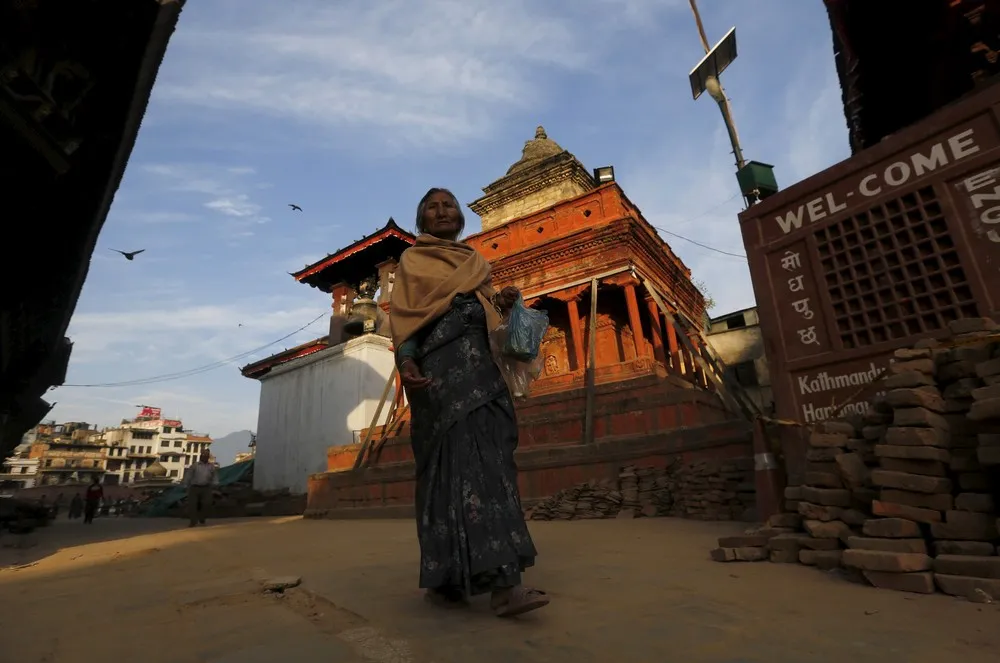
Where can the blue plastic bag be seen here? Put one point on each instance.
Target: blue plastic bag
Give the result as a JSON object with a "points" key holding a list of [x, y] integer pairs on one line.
{"points": [[525, 329]]}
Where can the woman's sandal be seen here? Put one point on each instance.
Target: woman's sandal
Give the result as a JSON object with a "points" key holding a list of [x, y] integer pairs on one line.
{"points": [[446, 598], [519, 601]]}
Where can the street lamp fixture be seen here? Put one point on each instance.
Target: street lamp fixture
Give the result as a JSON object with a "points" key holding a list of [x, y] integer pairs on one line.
{"points": [[604, 174]]}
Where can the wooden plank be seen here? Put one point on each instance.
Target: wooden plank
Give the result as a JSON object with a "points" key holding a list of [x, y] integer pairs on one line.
{"points": [[588, 422], [733, 404], [359, 460]]}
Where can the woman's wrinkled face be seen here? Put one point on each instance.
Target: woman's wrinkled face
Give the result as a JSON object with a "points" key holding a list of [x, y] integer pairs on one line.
{"points": [[442, 218]]}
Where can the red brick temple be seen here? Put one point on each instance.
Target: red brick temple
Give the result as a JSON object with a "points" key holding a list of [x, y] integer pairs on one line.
{"points": [[552, 228]]}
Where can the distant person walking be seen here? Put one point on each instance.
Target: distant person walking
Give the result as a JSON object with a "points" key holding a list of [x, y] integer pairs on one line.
{"points": [[200, 480], [95, 493], [75, 507]]}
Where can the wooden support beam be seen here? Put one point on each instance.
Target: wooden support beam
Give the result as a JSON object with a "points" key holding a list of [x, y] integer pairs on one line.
{"points": [[734, 405], [359, 460], [588, 422]]}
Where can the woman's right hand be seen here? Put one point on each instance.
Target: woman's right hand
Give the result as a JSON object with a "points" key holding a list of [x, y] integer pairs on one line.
{"points": [[411, 376]]}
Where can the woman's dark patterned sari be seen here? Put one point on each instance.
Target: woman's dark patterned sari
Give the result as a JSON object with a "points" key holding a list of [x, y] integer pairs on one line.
{"points": [[472, 532]]}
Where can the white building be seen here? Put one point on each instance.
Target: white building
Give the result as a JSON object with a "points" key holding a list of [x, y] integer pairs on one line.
{"points": [[313, 402], [19, 470], [136, 444]]}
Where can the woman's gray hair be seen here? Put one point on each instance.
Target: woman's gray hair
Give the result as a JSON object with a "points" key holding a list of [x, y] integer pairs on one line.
{"points": [[423, 204]]}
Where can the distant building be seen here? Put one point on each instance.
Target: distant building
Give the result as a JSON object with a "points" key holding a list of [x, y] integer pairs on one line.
{"points": [[150, 438], [20, 469], [72, 452], [737, 339], [55, 454]]}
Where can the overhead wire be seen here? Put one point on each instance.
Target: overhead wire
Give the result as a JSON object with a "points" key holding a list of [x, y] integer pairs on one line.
{"points": [[229, 360], [697, 243], [198, 370]]}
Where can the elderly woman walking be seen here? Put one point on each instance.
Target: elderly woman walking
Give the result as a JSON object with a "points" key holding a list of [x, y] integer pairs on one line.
{"points": [[473, 537]]}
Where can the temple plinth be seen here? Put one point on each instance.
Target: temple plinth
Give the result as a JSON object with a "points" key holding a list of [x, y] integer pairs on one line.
{"points": [[550, 230]]}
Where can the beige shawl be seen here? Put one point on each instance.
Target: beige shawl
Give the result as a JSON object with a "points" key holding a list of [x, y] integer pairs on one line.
{"points": [[429, 276]]}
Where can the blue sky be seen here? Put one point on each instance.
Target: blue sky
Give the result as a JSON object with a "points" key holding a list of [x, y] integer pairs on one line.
{"points": [[354, 109]]}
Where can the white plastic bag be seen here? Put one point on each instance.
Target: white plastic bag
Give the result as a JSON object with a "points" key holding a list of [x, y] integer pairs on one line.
{"points": [[516, 373]]}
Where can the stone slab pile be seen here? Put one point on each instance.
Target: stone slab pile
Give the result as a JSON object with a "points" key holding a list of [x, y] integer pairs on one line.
{"points": [[906, 497], [702, 490]]}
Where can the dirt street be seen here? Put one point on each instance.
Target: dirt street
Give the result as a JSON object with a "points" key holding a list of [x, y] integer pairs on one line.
{"points": [[623, 592]]}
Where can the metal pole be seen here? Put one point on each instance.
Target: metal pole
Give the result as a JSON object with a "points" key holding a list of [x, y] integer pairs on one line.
{"points": [[720, 96]]}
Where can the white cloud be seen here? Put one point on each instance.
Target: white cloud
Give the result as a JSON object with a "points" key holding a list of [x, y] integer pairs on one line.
{"points": [[429, 73], [238, 206], [192, 334], [224, 190]]}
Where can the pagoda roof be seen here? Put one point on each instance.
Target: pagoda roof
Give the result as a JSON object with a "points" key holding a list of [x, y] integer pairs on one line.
{"points": [[262, 367], [357, 261]]}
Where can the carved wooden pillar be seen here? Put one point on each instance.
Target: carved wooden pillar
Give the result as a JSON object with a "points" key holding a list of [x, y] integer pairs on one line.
{"points": [[656, 328], [674, 349], [576, 331], [634, 320], [386, 278], [627, 282], [343, 298]]}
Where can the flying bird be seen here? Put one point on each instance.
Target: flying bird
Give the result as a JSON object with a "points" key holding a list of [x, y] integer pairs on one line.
{"points": [[295, 207], [130, 255]]}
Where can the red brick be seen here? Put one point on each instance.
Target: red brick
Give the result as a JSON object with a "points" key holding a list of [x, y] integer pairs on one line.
{"points": [[891, 510], [977, 548], [985, 393], [821, 559], [834, 529], [986, 410], [912, 452], [784, 556], [891, 528], [978, 502], [891, 562], [739, 554], [853, 470], [912, 482], [785, 520], [919, 417], [827, 496], [939, 502], [921, 582], [811, 543], [921, 365], [887, 545], [968, 565], [925, 397], [916, 437], [956, 370], [969, 588], [966, 526], [908, 380], [931, 468]]}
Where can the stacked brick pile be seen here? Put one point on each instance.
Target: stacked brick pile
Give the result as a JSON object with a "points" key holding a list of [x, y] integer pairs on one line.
{"points": [[703, 490], [595, 499], [909, 492]]}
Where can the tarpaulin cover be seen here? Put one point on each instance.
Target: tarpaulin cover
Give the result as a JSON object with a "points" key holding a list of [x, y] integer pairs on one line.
{"points": [[172, 496]]}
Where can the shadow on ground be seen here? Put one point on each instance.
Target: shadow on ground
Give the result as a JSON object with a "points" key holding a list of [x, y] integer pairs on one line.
{"points": [[623, 591]]}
